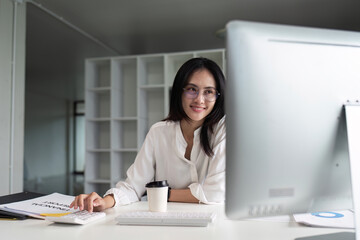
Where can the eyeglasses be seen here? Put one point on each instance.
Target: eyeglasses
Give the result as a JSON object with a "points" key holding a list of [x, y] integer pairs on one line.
{"points": [[210, 94]]}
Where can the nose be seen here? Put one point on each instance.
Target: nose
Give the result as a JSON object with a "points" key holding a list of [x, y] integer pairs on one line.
{"points": [[200, 97]]}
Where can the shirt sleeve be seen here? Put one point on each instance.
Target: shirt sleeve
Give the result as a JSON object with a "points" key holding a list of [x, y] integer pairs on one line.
{"points": [[140, 172], [212, 190]]}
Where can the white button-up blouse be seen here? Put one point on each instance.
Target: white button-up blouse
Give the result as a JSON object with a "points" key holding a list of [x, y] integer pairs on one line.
{"points": [[162, 158]]}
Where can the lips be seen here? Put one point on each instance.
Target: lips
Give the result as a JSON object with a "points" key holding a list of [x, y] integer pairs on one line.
{"points": [[197, 108]]}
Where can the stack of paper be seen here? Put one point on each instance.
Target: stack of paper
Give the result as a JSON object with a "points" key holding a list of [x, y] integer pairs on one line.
{"points": [[55, 204]]}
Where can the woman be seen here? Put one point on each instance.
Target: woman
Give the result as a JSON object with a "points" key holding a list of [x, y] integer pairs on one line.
{"points": [[187, 148]]}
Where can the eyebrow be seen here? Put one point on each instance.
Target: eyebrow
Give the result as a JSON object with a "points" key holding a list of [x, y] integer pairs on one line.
{"points": [[194, 85]]}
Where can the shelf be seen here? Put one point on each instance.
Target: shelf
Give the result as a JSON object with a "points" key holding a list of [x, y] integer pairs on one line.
{"points": [[98, 187], [174, 62], [151, 70], [124, 134], [99, 89], [122, 160], [98, 166], [124, 82], [151, 87], [98, 135], [125, 118], [97, 73], [97, 104], [98, 150], [105, 119], [103, 181], [126, 150], [151, 106], [117, 180]]}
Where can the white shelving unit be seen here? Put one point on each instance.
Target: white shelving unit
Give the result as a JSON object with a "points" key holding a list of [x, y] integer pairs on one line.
{"points": [[124, 96]]}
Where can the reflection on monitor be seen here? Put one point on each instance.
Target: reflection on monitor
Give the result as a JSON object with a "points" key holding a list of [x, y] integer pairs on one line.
{"points": [[287, 147]]}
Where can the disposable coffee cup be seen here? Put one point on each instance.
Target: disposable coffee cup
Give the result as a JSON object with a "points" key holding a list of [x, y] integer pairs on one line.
{"points": [[157, 194]]}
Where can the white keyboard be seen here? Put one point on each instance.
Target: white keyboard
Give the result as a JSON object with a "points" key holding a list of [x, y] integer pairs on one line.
{"points": [[195, 219], [79, 217]]}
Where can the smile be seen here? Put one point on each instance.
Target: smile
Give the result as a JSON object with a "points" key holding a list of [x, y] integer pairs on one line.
{"points": [[197, 109]]}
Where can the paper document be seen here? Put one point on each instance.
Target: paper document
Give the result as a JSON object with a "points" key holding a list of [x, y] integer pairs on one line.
{"points": [[333, 219], [55, 204]]}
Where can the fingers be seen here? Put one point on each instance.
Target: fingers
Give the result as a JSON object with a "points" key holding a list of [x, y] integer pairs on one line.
{"points": [[72, 204], [89, 203], [79, 201], [96, 203], [86, 201]]}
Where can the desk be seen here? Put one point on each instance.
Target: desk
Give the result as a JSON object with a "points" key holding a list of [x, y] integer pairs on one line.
{"points": [[221, 229]]}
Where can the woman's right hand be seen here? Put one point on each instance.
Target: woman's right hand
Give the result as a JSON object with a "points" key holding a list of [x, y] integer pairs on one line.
{"points": [[92, 202]]}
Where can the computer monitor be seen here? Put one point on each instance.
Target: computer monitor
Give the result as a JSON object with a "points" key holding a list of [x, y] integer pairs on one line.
{"points": [[287, 145]]}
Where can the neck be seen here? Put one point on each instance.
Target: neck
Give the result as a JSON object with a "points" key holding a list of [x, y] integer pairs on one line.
{"points": [[189, 125], [188, 128]]}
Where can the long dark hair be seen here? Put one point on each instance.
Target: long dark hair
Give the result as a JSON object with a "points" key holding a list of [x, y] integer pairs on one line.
{"points": [[177, 112]]}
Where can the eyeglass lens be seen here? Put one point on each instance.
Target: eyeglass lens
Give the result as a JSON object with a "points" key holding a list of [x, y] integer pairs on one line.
{"points": [[209, 94]]}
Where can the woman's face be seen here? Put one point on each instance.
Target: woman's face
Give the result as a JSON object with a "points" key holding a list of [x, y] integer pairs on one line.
{"points": [[197, 107]]}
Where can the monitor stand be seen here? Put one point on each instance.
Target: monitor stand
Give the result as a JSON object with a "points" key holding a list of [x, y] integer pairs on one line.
{"points": [[352, 115]]}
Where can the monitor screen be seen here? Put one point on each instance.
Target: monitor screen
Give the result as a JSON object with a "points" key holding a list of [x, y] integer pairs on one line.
{"points": [[287, 149]]}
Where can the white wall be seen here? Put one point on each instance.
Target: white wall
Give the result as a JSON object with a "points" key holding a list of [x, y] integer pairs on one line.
{"points": [[12, 79]]}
